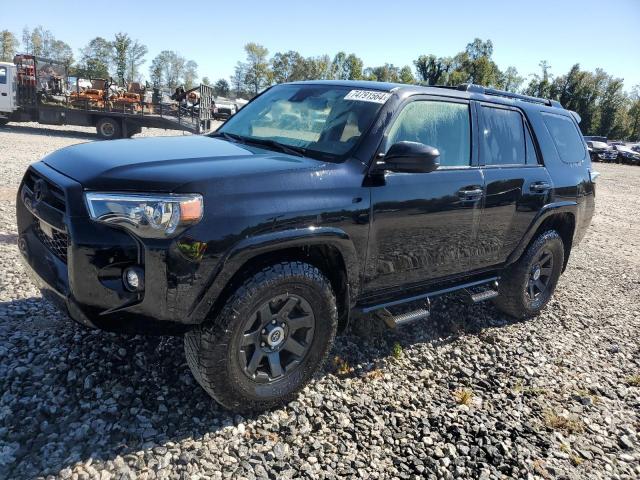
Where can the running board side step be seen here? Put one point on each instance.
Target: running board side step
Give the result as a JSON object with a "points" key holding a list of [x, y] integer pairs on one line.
{"points": [[477, 297], [394, 321], [490, 283]]}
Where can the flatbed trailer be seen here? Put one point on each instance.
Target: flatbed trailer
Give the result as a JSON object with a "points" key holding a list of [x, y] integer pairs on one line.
{"points": [[30, 92]]}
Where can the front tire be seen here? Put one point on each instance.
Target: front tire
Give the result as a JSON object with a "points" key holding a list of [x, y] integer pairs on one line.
{"points": [[527, 285], [273, 333]]}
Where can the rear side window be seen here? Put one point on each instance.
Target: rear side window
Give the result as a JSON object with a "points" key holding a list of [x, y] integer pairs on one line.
{"points": [[443, 125], [566, 137], [3, 75], [503, 137]]}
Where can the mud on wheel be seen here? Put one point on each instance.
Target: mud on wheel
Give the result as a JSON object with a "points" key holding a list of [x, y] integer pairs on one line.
{"points": [[270, 337]]}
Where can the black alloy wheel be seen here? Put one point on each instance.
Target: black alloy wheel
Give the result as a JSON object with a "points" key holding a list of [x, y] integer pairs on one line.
{"points": [[540, 274], [276, 338]]}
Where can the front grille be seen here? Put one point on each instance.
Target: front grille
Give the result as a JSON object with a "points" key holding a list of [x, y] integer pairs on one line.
{"points": [[57, 243], [54, 194]]}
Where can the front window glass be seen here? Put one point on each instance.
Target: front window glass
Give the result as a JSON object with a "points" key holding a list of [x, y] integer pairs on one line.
{"points": [[325, 120], [442, 125]]}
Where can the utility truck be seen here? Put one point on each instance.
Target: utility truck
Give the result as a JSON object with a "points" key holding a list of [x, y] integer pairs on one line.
{"points": [[35, 89]]}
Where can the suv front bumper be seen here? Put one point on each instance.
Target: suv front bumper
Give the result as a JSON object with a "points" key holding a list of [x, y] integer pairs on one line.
{"points": [[78, 264]]}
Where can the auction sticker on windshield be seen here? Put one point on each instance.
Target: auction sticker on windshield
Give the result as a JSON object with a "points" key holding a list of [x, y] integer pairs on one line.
{"points": [[368, 96]]}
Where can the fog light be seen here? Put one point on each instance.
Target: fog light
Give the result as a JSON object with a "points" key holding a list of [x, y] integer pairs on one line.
{"points": [[133, 279]]}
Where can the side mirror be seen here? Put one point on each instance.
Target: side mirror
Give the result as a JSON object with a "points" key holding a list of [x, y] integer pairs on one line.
{"points": [[411, 157]]}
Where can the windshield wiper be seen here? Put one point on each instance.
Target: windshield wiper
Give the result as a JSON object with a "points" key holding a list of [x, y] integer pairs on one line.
{"points": [[267, 142], [229, 136]]}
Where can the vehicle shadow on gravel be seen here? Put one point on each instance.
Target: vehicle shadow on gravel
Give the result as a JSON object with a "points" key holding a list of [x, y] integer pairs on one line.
{"points": [[8, 238], [47, 132], [71, 394]]}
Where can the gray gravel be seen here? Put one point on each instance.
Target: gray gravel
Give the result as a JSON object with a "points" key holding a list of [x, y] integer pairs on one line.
{"points": [[470, 394]]}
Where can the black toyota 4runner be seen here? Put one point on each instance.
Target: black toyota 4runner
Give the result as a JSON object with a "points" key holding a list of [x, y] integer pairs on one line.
{"points": [[315, 201]]}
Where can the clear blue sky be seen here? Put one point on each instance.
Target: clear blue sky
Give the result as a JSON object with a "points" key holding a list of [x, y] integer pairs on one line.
{"points": [[590, 32]]}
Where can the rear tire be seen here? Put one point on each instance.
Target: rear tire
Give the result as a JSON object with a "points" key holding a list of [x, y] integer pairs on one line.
{"points": [[108, 128], [273, 333], [527, 285]]}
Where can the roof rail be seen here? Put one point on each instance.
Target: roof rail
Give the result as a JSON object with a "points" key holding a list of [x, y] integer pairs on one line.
{"points": [[470, 87]]}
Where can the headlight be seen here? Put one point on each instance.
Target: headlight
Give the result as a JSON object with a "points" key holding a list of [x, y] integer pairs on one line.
{"points": [[151, 216]]}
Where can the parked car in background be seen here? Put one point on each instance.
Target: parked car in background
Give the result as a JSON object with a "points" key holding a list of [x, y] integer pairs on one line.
{"points": [[601, 151], [627, 155], [224, 108], [635, 147]]}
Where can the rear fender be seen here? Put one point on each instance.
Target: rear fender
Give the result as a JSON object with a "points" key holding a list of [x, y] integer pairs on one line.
{"points": [[546, 212]]}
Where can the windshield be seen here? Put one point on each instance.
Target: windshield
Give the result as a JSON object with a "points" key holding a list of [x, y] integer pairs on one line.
{"points": [[320, 120]]}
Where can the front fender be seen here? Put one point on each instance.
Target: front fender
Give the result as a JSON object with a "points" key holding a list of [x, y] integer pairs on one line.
{"points": [[246, 249], [546, 212]]}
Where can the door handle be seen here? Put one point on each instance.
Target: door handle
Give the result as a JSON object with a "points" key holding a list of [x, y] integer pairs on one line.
{"points": [[470, 193], [4, 94], [540, 187]]}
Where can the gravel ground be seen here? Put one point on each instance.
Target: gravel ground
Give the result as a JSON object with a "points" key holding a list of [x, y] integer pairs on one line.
{"points": [[469, 394]]}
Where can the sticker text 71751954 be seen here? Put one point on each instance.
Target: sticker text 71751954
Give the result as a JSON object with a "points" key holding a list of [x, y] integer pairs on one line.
{"points": [[368, 96]]}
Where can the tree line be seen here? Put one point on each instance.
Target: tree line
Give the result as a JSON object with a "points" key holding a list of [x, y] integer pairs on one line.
{"points": [[605, 107], [599, 98], [120, 58]]}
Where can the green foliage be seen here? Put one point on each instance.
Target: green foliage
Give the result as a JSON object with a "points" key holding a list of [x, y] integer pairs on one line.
{"points": [[8, 45], [406, 75], [396, 350], [97, 59], [221, 88], [135, 58], [121, 45], [170, 69], [256, 69], [42, 43], [600, 99]]}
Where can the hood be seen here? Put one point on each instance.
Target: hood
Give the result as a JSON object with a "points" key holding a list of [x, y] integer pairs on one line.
{"points": [[162, 164], [622, 148]]}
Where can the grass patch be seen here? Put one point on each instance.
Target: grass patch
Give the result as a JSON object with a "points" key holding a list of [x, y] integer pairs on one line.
{"points": [[558, 422], [342, 366], [575, 459], [373, 375], [463, 396], [633, 380], [538, 467], [520, 389], [396, 351]]}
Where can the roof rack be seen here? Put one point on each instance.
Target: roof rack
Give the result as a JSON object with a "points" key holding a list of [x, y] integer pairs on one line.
{"points": [[470, 87]]}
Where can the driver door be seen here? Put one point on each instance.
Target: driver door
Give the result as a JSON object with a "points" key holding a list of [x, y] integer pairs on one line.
{"points": [[424, 225], [6, 89]]}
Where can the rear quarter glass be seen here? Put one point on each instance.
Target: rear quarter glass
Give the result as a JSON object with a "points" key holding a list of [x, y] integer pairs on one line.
{"points": [[566, 137]]}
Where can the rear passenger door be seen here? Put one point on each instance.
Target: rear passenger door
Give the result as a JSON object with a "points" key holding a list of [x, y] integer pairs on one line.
{"points": [[517, 184]]}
